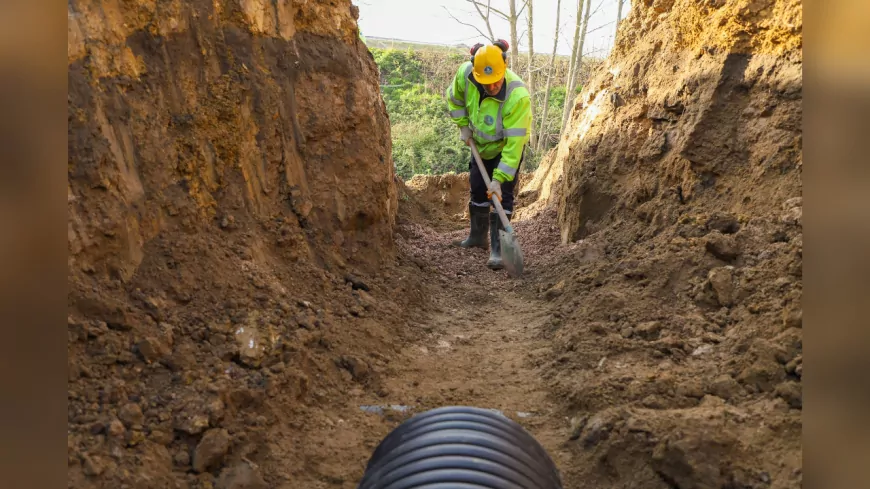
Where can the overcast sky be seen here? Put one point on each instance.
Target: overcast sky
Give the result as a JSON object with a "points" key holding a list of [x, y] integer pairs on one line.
{"points": [[428, 21]]}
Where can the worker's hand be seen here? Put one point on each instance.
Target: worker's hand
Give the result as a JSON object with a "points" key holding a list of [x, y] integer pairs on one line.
{"points": [[494, 188], [465, 134]]}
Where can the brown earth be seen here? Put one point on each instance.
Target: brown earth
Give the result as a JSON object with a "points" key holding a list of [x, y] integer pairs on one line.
{"points": [[246, 273]]}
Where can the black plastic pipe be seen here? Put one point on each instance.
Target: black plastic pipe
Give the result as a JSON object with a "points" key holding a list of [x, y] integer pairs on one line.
{"points": [[459, 447]]}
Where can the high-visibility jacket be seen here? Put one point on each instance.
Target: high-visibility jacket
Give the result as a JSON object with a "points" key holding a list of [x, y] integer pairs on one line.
{"points": [[499, 124]]}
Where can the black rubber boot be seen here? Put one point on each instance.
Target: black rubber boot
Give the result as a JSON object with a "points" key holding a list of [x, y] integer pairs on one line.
{"points": [[479, 226], [495, 225]]}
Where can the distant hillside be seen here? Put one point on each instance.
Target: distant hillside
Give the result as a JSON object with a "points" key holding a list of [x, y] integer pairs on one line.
{"points": [[401, 44], [388, 43]]}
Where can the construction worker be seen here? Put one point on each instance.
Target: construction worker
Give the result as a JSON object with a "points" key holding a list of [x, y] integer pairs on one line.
{"points": [[490, 104]]}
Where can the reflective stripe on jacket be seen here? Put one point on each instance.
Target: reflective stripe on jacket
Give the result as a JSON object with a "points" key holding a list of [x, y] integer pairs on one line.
{"points": [[498, 125]]}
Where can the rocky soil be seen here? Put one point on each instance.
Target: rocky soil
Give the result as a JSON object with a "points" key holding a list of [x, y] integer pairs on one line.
{"points": [[240, 316], [226, 282], [678, 342]]}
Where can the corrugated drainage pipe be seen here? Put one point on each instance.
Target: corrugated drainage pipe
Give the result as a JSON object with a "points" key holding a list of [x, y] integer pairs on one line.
{"points": [[460, 447]]}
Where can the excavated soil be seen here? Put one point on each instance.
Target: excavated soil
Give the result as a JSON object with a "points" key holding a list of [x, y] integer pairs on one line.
{"points": [[623, 383], [241, 317]]}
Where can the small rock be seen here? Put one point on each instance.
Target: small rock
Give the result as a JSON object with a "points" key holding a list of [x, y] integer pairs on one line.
{"points": [[778, 236], [211, 450], [161, 437], [791, 393], [356, 283], [792, 317], [251, 346], [597, 429], [722, 281], [97, 428], [242, 476], [243, 399], [182, 458], [357, 367], [120, 321], [131, 414], [690, 388], [724, 387], [278, 367], [135, 437], [577, 425], [191, 424], [791, 340], [215, 409], [721, 246], [793, 216], [793, 202], [762, 375], [712, 401], [367, 300], [649, 330], [724, 223], [794, 367], [600, 328], [652, 401], [93, 465], [152, 350], [304, 321], [116, 428], [555, 291]]}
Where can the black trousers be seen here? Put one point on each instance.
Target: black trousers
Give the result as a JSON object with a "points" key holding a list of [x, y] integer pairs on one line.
{"points": [[478, 186]]}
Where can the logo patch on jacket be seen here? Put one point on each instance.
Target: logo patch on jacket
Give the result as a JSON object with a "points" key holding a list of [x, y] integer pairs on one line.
{"points": [[488, 120]]}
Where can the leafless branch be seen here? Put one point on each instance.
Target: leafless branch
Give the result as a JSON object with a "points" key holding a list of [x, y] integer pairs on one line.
{"points": [[467, 24], [488, 9], [602, 26], [597, 8], [484, 17], [521, 9]]}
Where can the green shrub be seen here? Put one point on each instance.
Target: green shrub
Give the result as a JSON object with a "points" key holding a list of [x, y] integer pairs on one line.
{"points": [[425, 139]]}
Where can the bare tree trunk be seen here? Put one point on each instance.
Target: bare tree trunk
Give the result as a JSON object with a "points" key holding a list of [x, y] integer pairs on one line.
{"points": [[531, 76], [572, 81], [586, 15], [572, 66], [618, 18], [512, 20], [542, 133]]}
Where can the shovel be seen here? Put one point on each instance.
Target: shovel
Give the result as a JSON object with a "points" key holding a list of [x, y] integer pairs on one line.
{"points": [[511, 254]]}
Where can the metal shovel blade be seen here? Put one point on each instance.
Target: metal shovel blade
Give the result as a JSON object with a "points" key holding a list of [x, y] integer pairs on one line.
{"points": [[511, 254]]}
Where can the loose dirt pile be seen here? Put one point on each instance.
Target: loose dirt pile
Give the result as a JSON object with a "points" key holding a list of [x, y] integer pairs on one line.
{"points": [[438, 200], [677, 298], [232, 266]]}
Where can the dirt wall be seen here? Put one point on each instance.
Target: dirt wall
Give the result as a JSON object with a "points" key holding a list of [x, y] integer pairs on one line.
{"points": [[184, 114], [700, 102], [231, 204], [677, 316]]}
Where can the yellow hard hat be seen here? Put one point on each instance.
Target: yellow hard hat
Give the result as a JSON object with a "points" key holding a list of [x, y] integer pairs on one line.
{"points": [[489, 64]]}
